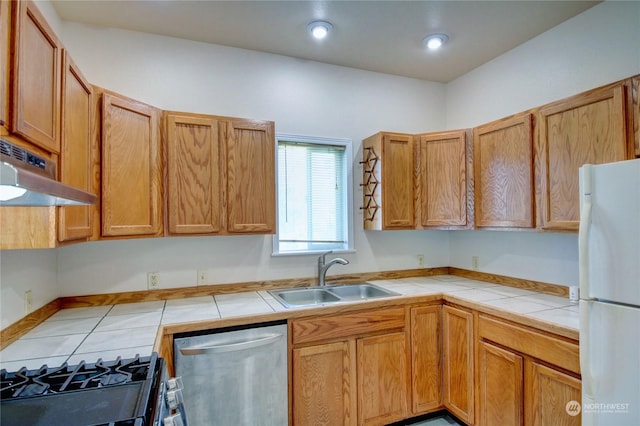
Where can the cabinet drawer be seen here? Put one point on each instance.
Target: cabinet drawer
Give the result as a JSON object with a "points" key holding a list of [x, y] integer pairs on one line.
{"points": [[345, 325], [558, 352]]}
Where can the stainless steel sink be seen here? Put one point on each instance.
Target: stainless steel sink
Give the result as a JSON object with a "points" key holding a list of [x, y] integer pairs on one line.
{"points": [[359, 291], [296, 297], [314, 296]]}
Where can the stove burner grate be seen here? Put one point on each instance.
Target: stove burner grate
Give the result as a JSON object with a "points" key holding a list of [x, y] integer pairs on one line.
{"points": [[65, 378]]}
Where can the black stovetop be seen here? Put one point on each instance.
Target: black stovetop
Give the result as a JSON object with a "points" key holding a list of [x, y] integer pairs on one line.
{"points": [[116, 392]]}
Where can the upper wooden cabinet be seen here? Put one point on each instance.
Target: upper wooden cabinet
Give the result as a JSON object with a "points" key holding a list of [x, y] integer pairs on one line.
{"points": [[5, 37], [131, 168], [220, 175], [194, 174], [250, 155], [589, 128], [443, 179], [75, 163], [36, 79], [503, 166], [388, 181]]}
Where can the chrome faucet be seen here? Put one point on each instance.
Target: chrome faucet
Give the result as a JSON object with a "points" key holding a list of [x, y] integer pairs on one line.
{"points": [[323, 267]]}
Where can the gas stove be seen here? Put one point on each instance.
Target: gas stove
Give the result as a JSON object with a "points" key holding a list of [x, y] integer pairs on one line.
{"points": [[123, 392]]}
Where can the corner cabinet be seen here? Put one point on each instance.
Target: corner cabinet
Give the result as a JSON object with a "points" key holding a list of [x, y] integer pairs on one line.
{"points": [[350, 369], [388, 182], [589, 128], [36, 79], [504, 176], [131, 168], [443, 179], [458, 362], [250, 156], [426, 358]]}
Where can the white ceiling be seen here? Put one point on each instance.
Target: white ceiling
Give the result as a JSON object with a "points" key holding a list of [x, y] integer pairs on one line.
{"points": [[382, 36]]}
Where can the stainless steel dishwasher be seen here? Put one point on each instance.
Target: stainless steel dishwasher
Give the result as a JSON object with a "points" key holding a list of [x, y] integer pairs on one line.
{"points": [[235, 376]]}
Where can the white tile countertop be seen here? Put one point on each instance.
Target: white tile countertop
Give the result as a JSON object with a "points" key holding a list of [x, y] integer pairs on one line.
{"points": [[75, 334]]}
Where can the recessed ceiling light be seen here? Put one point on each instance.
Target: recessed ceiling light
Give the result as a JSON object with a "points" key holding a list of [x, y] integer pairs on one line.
{"points": [[319, 29], [435, 41]]}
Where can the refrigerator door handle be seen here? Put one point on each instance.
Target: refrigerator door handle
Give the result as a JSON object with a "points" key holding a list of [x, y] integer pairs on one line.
{"points": [[585, 362], [583, 232]]}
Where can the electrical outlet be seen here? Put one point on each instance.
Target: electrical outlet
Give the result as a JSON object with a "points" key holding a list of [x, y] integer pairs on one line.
{"points": [[475, 263], [203, 277], [153, 280], [28, 302], [421, 260]]}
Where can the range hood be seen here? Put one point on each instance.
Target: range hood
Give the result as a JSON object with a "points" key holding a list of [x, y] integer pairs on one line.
{"points": [[29, 180]]}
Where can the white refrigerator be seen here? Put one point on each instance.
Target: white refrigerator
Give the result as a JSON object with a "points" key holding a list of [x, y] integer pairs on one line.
{"points": [[609, 262]]}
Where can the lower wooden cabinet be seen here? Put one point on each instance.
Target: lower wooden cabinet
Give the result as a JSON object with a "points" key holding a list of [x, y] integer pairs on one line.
{"points": [[426, 359], [500, 386], [378, 367], [360, 379], [457, 338], [382, 379], [525, 377], [324, 384], [548, 394]]}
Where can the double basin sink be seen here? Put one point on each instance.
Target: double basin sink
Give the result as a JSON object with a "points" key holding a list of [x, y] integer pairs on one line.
{"points": [[326, 295]]}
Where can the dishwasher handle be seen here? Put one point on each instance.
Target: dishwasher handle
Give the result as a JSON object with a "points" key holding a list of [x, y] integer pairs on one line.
{"points": [[231, 347]]}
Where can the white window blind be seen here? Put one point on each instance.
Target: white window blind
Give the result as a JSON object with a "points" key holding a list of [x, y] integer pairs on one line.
{"points": [[313, 194]]}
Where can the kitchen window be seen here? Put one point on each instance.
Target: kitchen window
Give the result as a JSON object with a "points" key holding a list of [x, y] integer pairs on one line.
{"points": [[314, 182]]}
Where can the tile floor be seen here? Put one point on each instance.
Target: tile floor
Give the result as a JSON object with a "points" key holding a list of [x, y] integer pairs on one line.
{"points": [[442, 420]]}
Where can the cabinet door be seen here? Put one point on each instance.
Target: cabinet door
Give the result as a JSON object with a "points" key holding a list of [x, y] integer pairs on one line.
{"points": [[194, 175], [635, 84], [5, 31], [324, 384], [442, 179], [590, 128], [426, 379], [501, 376], [382, 379], [503, 167], [550, 396], [458, 362], [75, 160], [131, 168], [36, 74], [250, 162], [397, 182]]}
